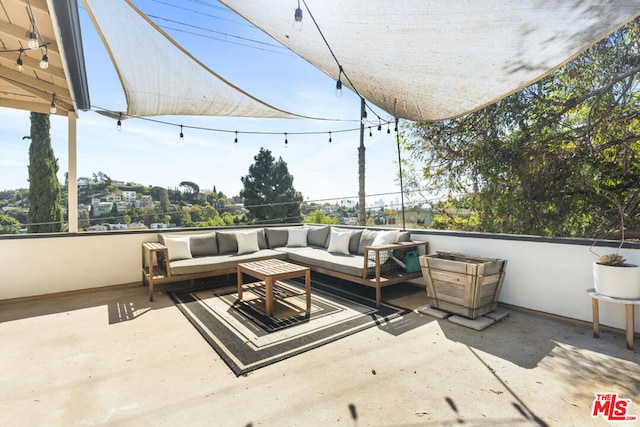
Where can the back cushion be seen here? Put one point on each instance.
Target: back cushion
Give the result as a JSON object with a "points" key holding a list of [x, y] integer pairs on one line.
{"points": [[367, 238], [203, 244], [277, 237], [317, 236], [404, 236], [227, 242], [262, 239]]}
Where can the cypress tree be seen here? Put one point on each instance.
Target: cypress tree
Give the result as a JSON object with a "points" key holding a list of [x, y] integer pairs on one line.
{"points": [[45, 214]]}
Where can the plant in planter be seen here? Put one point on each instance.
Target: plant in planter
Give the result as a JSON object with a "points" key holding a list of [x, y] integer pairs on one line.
{"points": [[612, 276]]}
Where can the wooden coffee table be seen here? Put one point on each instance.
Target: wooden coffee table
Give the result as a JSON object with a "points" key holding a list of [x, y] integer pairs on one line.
{"points": [[271, 271]]}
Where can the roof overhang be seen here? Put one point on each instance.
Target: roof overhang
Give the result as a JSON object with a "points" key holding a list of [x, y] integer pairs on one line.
{"points": [[58, 26]]}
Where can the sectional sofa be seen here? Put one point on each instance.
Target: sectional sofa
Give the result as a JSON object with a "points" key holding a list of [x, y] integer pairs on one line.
{"points": [[357, 255]]}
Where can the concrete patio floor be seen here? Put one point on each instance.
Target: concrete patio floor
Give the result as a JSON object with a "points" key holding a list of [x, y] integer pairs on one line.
{"points": [[109, 356]]}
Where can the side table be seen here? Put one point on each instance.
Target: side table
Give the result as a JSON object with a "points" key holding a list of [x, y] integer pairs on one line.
{"points": [[629, 304]]}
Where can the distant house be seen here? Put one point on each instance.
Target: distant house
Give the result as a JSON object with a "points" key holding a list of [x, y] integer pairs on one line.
{"points": [[137, 225], [84, 181], [122, 206], [128, 196], [97, 228], [102, 208], [116, 227], [156, 225], [113, 198]]}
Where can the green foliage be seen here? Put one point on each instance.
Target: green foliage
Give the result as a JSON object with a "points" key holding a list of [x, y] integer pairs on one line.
{"points": [[9, 225], [45, 214], [535, 162], [268, 191], [318, 217]]}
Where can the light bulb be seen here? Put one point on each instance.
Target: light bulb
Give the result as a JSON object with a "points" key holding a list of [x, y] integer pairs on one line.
{"points": [[33, 41], [44, 63], [339, 88], [297, 19], [53, 109], [19, 66], [364, 117]]}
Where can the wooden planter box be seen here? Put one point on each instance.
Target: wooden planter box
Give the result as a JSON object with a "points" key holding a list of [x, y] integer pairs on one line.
{"points": [[463, 284]]}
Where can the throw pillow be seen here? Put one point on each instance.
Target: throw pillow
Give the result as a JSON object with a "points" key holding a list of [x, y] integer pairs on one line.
{"points": [[203, 244], [367, 238], [354, 242], [247, 242], [339, 242], [276, 237], [385, 238], [227, 242], [318, 236], [178, 247], [297, 237]]}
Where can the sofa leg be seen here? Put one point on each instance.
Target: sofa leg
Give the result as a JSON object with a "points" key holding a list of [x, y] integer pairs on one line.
{"points": [[151, 290], [378, 296]]}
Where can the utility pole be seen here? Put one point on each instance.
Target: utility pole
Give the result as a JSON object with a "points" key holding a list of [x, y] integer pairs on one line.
{"points": [[362, 216]]}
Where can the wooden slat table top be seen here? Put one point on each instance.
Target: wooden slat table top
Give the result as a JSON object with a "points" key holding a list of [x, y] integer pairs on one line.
{"points": [[271, 267]]}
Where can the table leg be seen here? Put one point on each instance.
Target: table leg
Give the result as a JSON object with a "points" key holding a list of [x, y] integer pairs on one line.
{"points": [[630, 321], [268, 290], [307, 286], [596, 318], [239, 274]]}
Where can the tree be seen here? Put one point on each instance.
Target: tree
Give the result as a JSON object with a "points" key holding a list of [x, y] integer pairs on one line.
{"points": [[9, 225], [534, 162], [45, 214], [268, 191], [319, 217]]}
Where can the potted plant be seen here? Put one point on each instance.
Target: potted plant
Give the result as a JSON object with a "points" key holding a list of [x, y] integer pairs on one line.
{"points": [[612, 275]]}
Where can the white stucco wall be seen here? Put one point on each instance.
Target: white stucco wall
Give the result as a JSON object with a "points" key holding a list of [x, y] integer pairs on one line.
{"points": [[544, 276]]}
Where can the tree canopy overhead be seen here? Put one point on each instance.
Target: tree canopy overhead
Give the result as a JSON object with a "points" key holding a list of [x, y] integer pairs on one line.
{"points": [[268, 191], [547, 159]]}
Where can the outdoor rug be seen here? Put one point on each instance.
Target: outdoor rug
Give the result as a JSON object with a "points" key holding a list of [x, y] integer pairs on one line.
{"points": [[246, 339]]}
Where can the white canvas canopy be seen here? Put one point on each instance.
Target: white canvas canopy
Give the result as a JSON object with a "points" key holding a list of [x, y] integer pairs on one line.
{"points": [[163, 78], [428, 60]]}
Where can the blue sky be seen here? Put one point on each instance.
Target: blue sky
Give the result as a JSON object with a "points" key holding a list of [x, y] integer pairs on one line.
{"points": [[153, 154]]}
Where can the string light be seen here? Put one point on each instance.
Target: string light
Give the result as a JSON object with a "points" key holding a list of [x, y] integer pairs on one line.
{"points": [[19, 66], [388, 130], [379, 126], [181, 134], [329, 136], [339, 83], [235, 141], [364, 116], [32, 43], [119, 124], [53, 109], [121, 116], [44, 63], [370, 134], [396, 127], [297, 18], [286, 141]]}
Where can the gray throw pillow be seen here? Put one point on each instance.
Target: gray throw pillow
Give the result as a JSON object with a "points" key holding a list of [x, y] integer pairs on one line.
{"points": [[367, 238], [404, 236], [277, 237], [262, 239], [203, 244], [317, 236], [227, 242]]}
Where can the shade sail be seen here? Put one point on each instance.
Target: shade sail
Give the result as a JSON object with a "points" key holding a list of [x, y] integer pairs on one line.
{"points": [[431, 60], [163, 78]]}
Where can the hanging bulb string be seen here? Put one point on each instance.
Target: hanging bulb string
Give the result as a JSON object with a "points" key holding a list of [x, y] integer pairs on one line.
{"points": [[236, 132]]}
